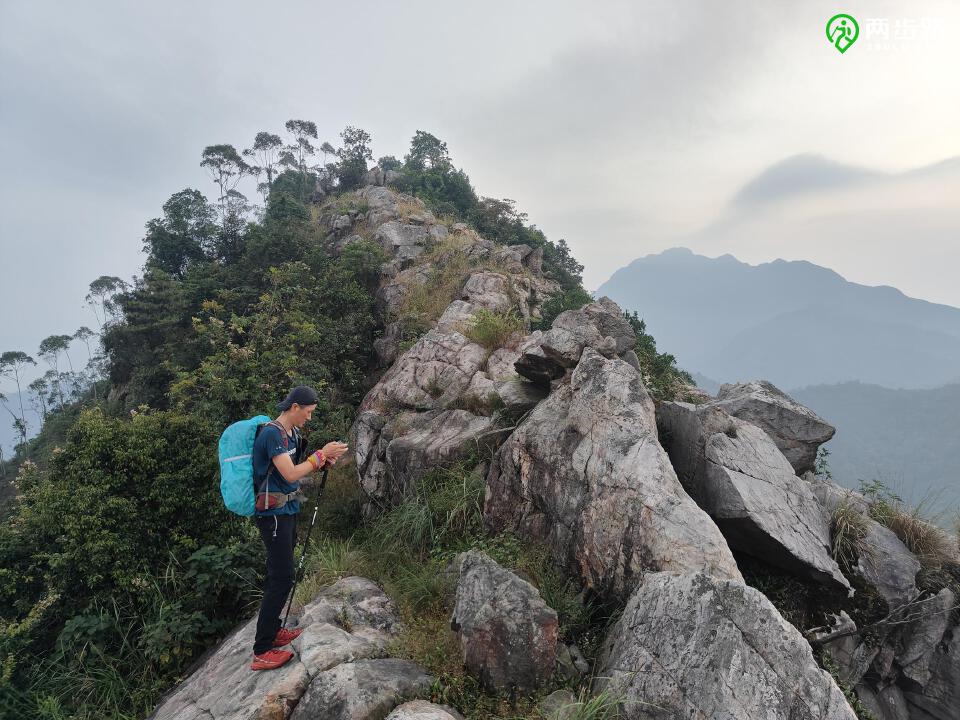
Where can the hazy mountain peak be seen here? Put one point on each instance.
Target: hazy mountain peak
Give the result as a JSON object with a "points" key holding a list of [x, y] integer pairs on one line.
{"points": [[790, 321]]}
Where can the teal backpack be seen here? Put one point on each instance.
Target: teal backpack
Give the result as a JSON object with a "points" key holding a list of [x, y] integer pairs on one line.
{"points": [[236, 464]]}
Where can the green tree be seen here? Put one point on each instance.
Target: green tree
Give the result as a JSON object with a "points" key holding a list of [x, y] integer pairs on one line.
{"points": [[427, 152], [101, 297], [266, 154], [185, 234], [303, 131], [660, 372], [12, 365], [85, 335], [353, 153], [39, 390], [389, 162], [50, 350], [327, 149], [153, 341], [226, 168]]}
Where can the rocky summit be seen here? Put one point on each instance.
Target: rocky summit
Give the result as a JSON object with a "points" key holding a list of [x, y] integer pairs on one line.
{"points": [[700, 525]]}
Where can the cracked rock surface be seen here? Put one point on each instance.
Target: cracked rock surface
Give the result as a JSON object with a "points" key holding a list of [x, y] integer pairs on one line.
{"points": [[585, 474], [700, 648], [347, 622], [738, 475]]}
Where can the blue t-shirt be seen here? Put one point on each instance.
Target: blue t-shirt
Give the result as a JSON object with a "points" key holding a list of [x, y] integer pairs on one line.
{"points": [[269, 443]]}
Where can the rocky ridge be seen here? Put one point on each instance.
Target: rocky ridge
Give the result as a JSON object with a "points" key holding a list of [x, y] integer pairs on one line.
{"points": [[647, 506]]}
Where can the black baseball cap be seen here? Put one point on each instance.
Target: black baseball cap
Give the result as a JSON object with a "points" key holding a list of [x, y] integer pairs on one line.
{"points": [[301, 395]]}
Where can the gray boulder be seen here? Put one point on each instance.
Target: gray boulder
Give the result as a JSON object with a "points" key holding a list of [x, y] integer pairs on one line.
{"points": [[224, 687], [518, 395], [403, 241], [608, 318], [423, 710], [507, 633], [941, 693], [599, 325], [490, 290], [885, 562], [851, 655], [585, 474], [923, 636], [887, 703], [735, 472], [797, 430], [888, 565], [392, 455], [362, 690], [436, 370], [560, 705], [695, 646]]}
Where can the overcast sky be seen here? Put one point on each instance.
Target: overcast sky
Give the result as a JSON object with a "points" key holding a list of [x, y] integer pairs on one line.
{"points": [[624, 127]]}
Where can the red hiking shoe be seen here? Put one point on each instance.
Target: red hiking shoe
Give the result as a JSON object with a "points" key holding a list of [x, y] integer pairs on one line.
{"points": [[285, 636], [270, 659]]}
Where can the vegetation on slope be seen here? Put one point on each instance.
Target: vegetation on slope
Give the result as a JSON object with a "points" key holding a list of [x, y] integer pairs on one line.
{"points": [[119, 564]]}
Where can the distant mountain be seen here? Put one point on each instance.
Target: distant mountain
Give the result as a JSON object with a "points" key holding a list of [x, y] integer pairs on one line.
{"points": [[793, 323], [906, 438]]}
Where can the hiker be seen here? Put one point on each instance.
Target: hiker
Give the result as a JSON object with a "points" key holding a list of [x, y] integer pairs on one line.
{"points": [[278, 474]]}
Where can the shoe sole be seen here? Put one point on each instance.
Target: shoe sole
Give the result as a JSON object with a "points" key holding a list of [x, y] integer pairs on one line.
{"points": [[269, 667]]}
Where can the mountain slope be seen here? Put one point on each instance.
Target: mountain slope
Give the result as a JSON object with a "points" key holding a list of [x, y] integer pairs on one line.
{"points": [[906, 438], [793, 323]]}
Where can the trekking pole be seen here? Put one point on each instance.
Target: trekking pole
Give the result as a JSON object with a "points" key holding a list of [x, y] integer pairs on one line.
{"points": [[306, 544]]}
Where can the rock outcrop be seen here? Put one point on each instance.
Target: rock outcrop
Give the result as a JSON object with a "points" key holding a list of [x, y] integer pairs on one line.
{"points": [[737, 474], [422, 710], [797, 430], [698, 647], [507, 633], [347, 624], [884, 562], [435, 401], [362, 690], [585, 474]]}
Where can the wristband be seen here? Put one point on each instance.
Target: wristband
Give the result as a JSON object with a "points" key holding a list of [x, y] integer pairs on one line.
{"points": [[317, 459]]}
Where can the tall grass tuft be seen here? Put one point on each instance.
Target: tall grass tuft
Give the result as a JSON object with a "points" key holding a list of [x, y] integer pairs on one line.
{"points": [[493, 330], [848, 528]]}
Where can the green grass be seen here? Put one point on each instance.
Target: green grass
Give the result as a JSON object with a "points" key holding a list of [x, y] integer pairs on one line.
{"points": [[493, 330], [407, 549], [934, 547], [847, 531]]}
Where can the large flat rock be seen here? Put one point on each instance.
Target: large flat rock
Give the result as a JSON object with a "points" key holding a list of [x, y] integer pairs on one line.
{"points": [[796, 429], [224, 687], [737, 474]]}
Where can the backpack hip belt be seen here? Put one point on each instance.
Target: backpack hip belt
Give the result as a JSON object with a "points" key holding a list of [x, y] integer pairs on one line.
{"points": [[273, 500]]}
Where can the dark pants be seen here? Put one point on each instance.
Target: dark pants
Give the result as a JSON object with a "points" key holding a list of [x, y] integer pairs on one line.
{"points": [[279, 536]]}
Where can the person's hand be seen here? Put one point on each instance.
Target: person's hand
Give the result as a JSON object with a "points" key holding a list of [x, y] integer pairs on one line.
{"points": [[333, 450]]}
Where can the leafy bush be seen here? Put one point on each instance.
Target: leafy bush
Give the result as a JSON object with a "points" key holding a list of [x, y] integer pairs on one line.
{"points": [[570, 299], [660, 372], [118, 550]]}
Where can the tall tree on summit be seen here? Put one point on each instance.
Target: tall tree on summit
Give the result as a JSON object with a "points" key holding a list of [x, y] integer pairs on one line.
{"points": [[12, 364], [303, 131], [227, 169], [353, 154]]}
